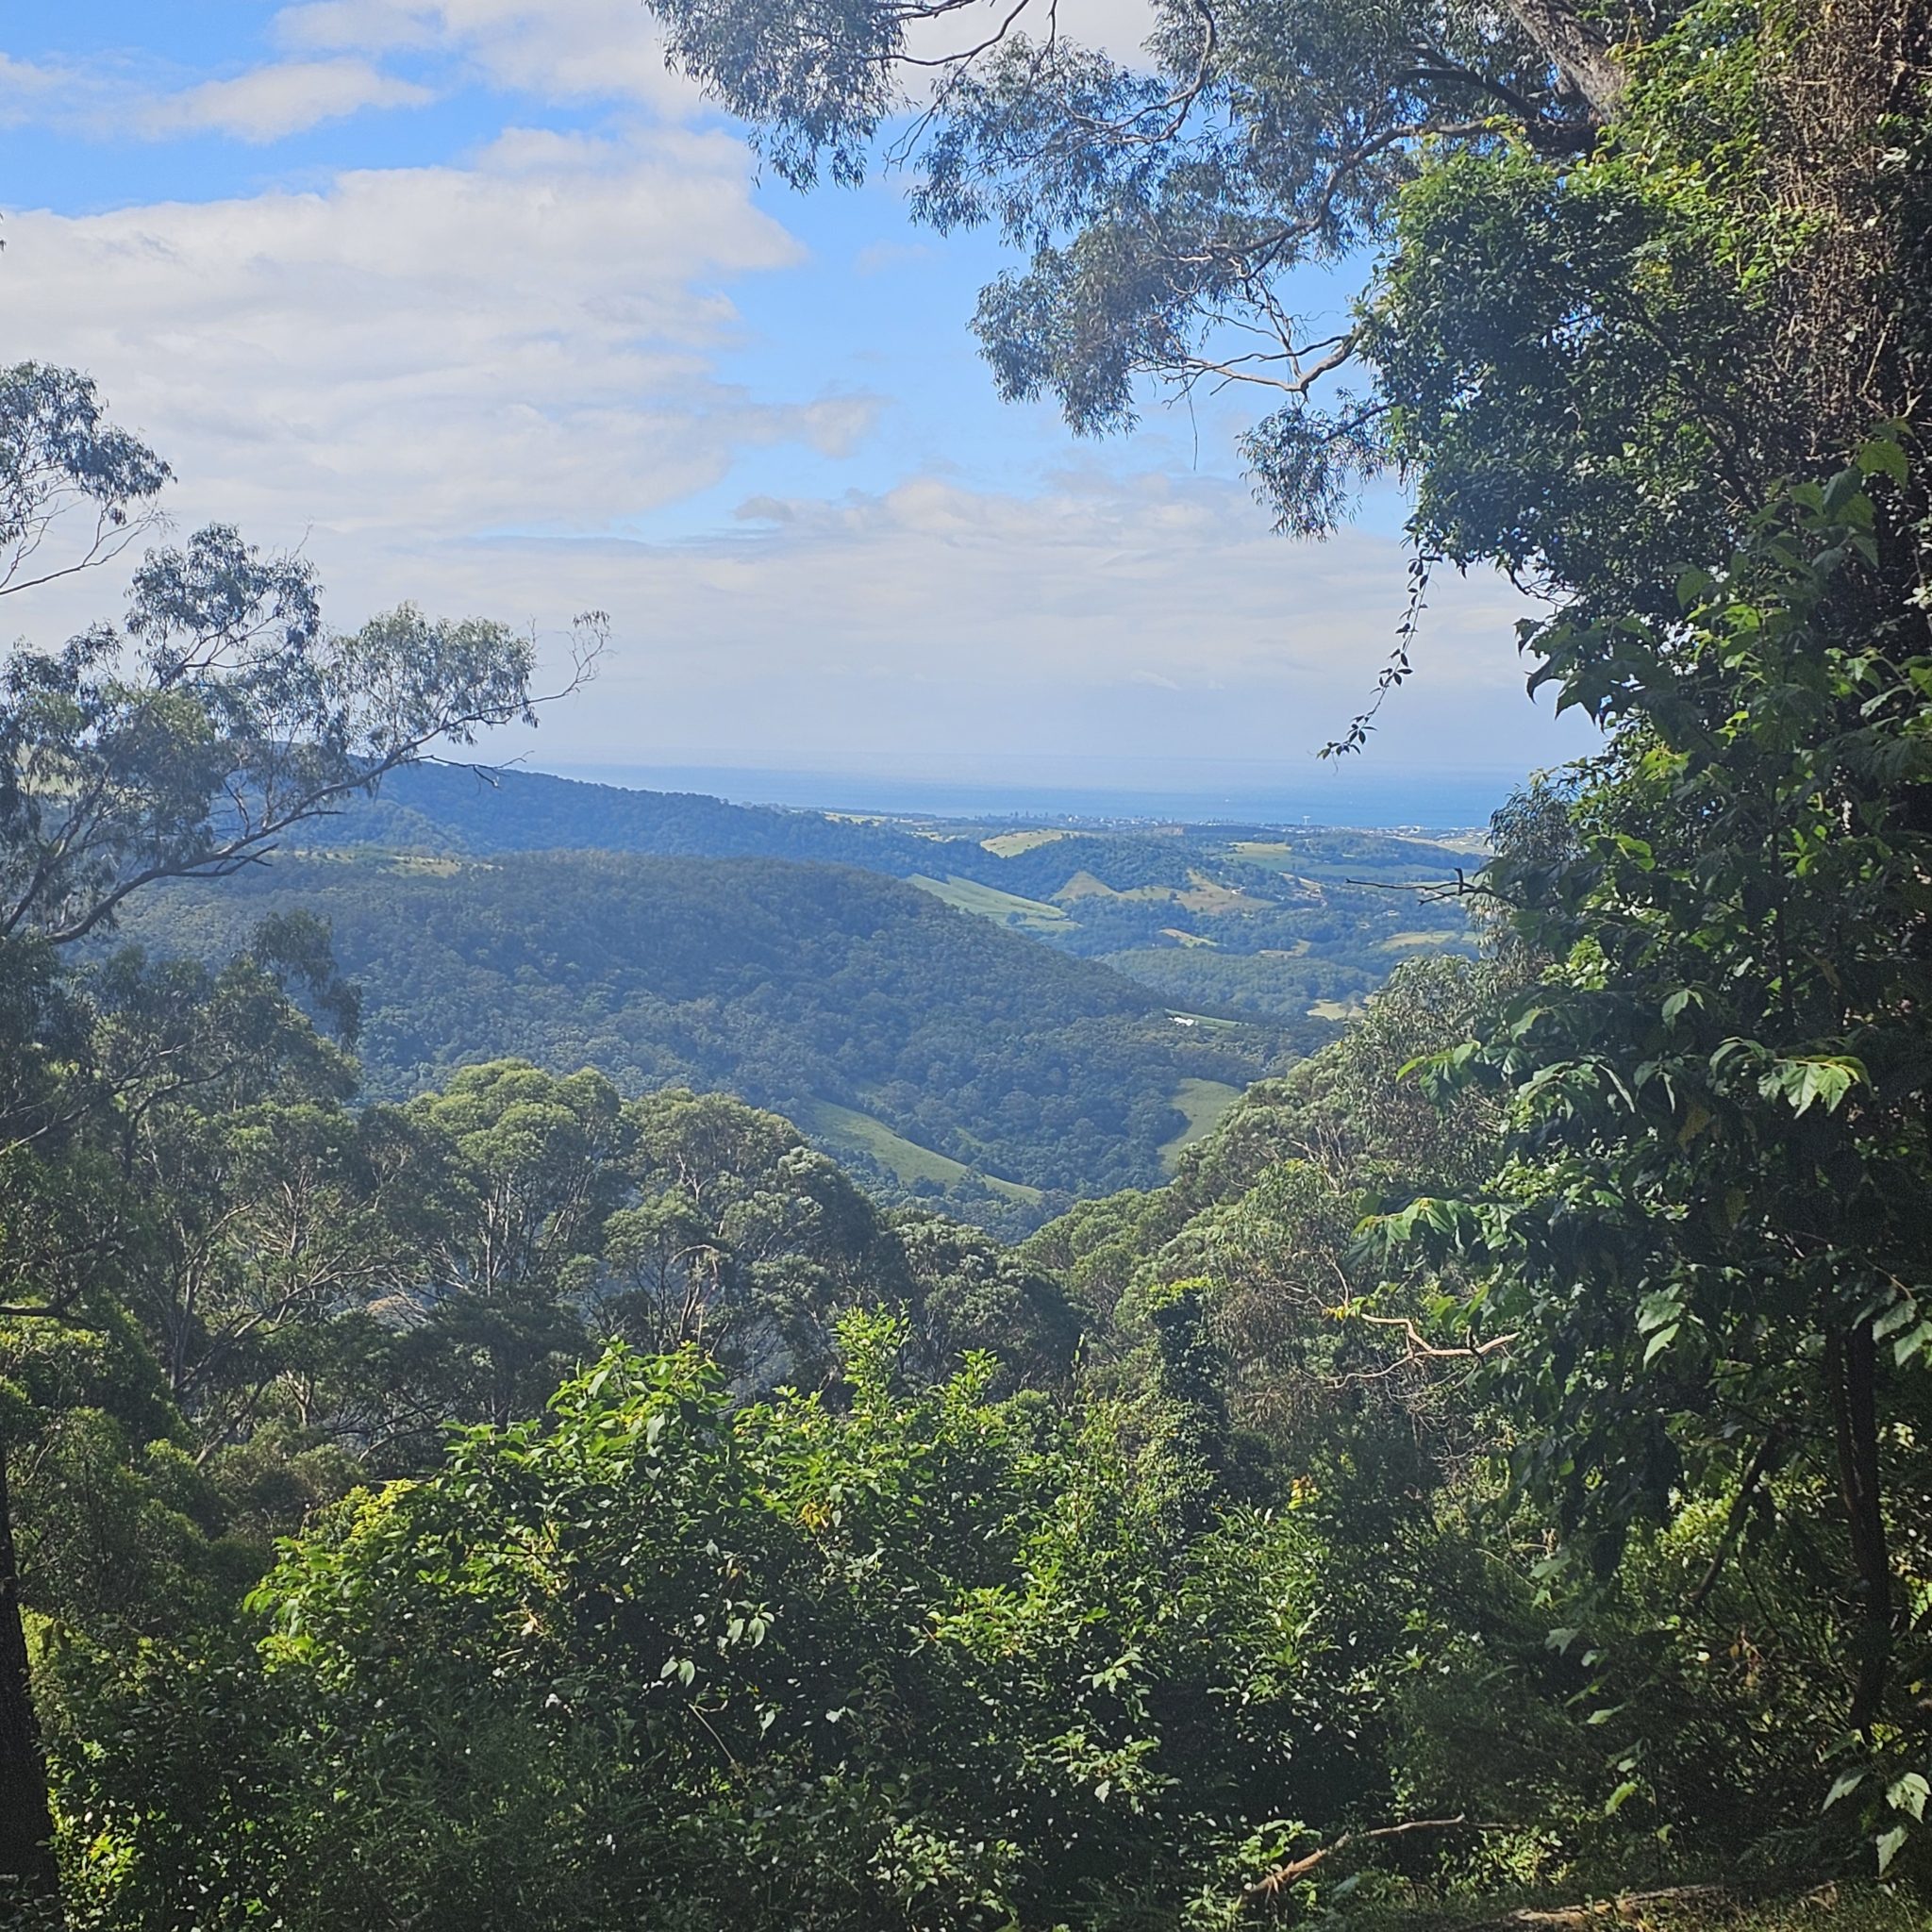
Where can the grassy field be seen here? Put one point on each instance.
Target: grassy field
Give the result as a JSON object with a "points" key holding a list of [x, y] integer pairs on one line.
{"points": [[1207, 896], [1335, 1010], [1204, 1101], [1272, 852], [844, 1126], [989, 902], [1010, 844], [1415, 942]]}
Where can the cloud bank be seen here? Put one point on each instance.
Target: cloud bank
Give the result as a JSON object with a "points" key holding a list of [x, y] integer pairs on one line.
{"points": [[496, 383]]}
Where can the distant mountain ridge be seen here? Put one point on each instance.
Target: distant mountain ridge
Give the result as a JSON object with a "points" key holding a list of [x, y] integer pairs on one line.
{"points": [[456, 808], [1294, 926]]}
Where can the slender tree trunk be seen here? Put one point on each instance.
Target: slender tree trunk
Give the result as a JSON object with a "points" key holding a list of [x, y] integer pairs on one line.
{"points": [[1851, 1363], [26, 1826]]}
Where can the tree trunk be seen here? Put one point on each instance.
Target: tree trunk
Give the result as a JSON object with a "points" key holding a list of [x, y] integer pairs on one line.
{"points": [[1575, 50], [26, 1826], [1851, 1363]]}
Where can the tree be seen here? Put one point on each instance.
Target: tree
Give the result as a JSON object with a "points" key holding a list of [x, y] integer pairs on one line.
{"points": [[1707, 1252], [967, 1295], [740, 1238], [1167, 204], [61, 463], [181, 744], [241, 716], [509, 1220], [907, 1659]]}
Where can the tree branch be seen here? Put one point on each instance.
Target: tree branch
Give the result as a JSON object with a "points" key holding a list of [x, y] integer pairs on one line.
{"points": [[1264, 1890]]}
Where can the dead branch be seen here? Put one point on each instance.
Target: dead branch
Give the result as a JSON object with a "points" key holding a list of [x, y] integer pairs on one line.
{"points": [[1263, 1890], [1418, 1347]]}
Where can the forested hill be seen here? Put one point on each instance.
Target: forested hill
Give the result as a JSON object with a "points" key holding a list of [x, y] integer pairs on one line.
{"points": [[1293, 926], [458, 809], [940, 1055], [454, 809]]}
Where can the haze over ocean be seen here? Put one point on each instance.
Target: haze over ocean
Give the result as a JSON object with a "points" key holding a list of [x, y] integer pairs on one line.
{"points": [[1292, 792]]}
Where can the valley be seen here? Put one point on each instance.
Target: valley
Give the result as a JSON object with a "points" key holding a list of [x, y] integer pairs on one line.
{"points": [[998, 1021], [1269, 923]]}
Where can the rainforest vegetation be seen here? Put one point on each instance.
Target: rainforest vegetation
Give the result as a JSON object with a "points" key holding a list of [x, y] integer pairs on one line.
{"points": [[667, 940], [1493, 1473]]}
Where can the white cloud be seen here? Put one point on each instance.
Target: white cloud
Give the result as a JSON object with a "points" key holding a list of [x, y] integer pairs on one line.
{"points": [[473, 385], [268, 103], [372, 25], [414, 354], [559, 50], [122, 96], [612, 50], [1136, 618], [54, 93], [25, 85]]}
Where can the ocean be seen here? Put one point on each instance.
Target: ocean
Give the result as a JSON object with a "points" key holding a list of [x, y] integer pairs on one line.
{"points": [[1196, 794]]}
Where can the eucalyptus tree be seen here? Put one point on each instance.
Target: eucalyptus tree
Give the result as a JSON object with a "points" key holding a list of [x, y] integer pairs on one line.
{"points": [[1493, 248], [739, 1238], [183, 741], [523, 1168]]}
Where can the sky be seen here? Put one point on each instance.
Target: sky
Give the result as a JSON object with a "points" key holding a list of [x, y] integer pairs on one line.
{"points": [[479, 306]]}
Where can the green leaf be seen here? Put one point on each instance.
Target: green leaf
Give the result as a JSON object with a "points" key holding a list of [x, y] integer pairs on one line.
{"points": [[1802, 1082], [1842, 1786], [1916, 1342], [1842, 490], [1909, 1795], [1901, 1313], [1883, 456], [1887, 1845]]}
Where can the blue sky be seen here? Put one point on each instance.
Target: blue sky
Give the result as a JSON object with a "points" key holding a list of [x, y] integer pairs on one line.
{"points": [[478, 305]]}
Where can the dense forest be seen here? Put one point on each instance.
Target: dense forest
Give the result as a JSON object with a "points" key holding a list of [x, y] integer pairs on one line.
{"points": [[797, 987], [1490, 1485], [1293, 928]]}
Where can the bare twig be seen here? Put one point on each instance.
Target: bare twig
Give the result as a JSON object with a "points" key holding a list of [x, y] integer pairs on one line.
{"points": [[1418, 1347]]}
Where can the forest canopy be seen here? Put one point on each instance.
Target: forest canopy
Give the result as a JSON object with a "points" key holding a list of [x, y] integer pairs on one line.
{"points": [[1496, 1472]]}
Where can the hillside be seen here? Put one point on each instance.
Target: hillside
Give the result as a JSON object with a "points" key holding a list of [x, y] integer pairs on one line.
{"points": [[1292, 926], [937, 1053]]}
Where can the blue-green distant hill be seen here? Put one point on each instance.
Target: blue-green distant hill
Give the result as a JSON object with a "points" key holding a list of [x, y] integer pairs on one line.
{"points": [[1291, 927]]}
